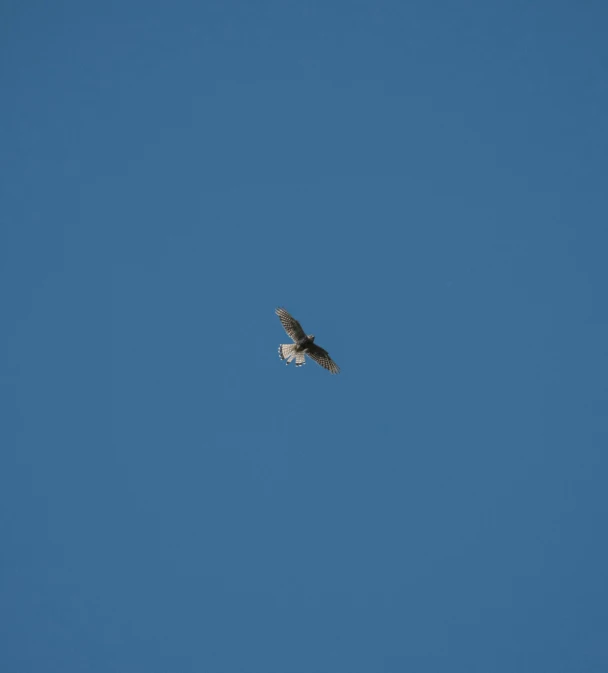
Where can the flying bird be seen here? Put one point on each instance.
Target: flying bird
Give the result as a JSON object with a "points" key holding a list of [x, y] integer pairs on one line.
{"points": [[303, 345]]}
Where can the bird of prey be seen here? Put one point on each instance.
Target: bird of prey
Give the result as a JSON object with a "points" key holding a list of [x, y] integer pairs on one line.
{"points": [[303, 345]]}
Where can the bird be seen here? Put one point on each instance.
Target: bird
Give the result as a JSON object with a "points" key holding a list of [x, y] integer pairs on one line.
{"points": [[303, 345]]}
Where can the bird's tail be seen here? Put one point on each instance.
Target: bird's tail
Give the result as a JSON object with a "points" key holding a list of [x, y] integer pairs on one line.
{"points": [[288, 352]]}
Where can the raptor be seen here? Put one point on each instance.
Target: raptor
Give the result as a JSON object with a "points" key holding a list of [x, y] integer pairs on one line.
{"points": [[303, 345]]}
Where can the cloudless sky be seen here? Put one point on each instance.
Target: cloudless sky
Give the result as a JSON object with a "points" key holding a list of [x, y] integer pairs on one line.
{"points": [[423, 186]]}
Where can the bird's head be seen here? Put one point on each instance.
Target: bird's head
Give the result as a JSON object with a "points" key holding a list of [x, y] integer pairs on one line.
{"points": [[311, 337]]}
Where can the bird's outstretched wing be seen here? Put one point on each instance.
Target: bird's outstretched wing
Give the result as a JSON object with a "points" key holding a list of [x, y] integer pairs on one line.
{"points": [[291, 325], [321, 356]]}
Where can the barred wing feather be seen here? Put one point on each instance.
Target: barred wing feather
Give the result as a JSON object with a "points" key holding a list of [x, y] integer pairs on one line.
{"points": [[291, 325]]}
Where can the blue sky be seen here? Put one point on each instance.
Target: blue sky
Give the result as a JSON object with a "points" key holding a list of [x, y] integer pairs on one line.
{"points": [[423, 185]]}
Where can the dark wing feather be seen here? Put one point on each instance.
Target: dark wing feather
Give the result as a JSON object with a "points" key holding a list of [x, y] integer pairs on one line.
{"points": [[291, 325], [321, 356]]}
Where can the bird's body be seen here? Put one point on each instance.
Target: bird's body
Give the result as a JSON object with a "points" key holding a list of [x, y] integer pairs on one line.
{"points": [[304, 344], [306, 341]]}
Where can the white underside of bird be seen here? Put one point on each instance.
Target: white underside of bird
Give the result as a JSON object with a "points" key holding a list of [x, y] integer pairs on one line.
{"points": [[289, 352]]}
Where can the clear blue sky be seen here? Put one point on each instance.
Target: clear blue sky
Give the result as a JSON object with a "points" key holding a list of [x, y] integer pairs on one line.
{"points": [[423, 185]]}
